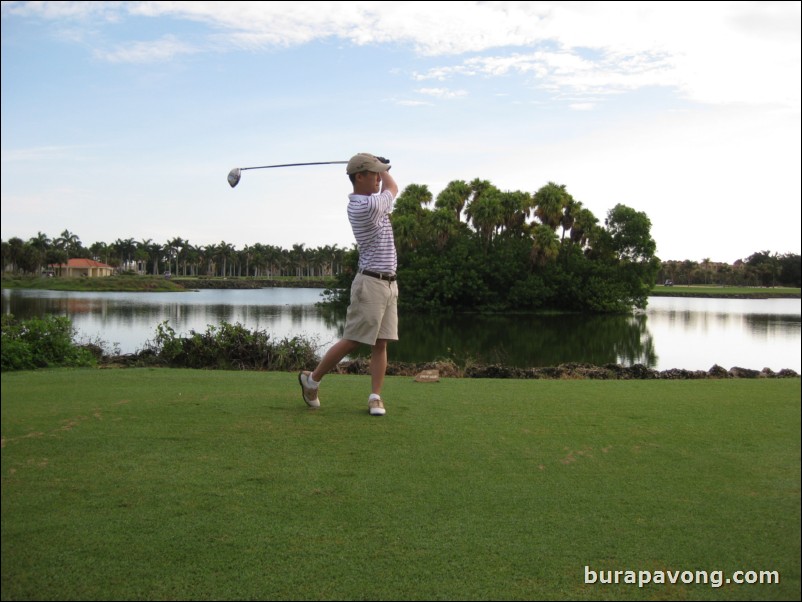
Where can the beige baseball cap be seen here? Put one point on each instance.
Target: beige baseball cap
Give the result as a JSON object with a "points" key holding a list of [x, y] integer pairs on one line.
{"points": [[365, 162]]}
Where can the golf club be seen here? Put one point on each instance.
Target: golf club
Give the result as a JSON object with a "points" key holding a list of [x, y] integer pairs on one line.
{"points": [[235, 174]]}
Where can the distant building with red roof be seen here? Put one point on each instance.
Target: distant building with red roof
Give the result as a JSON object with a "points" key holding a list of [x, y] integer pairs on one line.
{"points": [[88, 268]]}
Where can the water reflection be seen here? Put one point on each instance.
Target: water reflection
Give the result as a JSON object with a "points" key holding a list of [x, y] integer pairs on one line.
{"points": [[526, 341], [751, 333], [129, 320], [672, 332]]}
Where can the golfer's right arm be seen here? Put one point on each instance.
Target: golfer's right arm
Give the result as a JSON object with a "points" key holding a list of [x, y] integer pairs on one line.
{"points": [[388, 183]]}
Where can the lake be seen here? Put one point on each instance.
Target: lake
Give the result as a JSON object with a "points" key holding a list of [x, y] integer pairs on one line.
{"points": [[673, 332]]}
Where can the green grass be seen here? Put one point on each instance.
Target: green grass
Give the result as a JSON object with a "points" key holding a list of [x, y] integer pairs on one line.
{"points": [[135, 284], [743, 292], [174, 484]]}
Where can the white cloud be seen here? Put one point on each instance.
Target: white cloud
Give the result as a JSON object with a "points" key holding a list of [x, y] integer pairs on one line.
{"points": [[64, 10], [444, 93], [413, 103], [159, 50], [712, 52]]}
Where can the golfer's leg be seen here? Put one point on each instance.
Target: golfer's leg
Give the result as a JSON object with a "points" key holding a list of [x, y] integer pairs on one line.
{"points": [[378, 366], [333, 356]]}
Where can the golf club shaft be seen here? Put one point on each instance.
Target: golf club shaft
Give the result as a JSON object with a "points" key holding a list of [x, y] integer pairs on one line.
{"points": [[294, 165]]}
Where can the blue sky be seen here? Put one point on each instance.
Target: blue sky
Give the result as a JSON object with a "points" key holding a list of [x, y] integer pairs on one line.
{"points": [[122, 119]]}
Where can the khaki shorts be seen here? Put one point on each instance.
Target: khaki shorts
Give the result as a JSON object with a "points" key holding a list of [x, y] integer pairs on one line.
{"points": [[373, 312]]}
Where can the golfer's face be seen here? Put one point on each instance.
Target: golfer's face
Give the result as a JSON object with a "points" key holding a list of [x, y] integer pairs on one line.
{"points": [[373, 180]]}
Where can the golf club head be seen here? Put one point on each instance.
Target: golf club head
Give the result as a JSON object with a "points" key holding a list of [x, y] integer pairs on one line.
{"points": [[234, 176]]}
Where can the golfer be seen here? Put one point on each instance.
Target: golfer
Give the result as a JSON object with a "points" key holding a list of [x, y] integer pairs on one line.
{"points": [[372, 317]]}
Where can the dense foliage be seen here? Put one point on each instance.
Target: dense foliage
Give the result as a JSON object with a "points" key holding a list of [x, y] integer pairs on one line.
{"points": [[507, 255], [229, 347], [50, 342], [41, 343], [762, 268]]}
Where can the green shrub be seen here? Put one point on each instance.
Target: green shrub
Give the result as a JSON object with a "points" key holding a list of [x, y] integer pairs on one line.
{"points": [[231, 347], [41, 343]]}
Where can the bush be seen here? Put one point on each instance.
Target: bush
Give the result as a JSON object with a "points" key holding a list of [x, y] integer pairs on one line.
{"points": [[41, 343], [231, 347]]}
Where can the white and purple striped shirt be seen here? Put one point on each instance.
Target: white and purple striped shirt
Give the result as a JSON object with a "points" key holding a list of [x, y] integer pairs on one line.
{"points": [[370, 222]]}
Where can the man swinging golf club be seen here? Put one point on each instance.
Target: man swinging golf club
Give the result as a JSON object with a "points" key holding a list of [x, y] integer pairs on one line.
{"points": [[372, 317]]}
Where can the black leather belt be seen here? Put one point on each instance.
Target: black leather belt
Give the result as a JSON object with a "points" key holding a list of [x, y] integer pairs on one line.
{"points": [[379, 275]]}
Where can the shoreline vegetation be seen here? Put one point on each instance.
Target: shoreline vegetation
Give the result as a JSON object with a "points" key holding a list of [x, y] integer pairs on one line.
{"points": [[49, 342], [137, 283], [450, 369]]}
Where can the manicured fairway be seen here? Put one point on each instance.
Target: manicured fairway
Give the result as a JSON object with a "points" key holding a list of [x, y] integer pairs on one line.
{"points": [[176, 484]]}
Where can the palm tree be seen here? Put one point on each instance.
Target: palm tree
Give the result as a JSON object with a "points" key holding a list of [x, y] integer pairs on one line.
{"points": [[142, 255], [155, 252], [40, 241], [207, 257], [100, 251], [412, 200], [191, 255], [247, 255], [70, 243], [225, 252], [444, 225], [583, 225], [183, 256], [273, 259], [14, 252], [125, 250], [326, 254], [298, 258], [259, 259], [407, 232], [454, 196], [570, 210], [550, 201], [545, 245], [514, 207], [174, 248], [484, 210], [316, 259]]}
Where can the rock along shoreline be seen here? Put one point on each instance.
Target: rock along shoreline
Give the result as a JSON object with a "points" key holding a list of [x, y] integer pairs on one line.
{"points": [[568, 371]]}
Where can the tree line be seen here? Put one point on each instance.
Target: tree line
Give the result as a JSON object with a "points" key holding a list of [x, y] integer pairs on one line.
{"points": [[177, 256], [762, 268], [473, 247]]}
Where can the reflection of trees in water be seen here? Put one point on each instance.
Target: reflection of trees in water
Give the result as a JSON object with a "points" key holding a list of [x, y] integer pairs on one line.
{"points": [[96, 313], [515, 340], [526, 341], [764, 325], [771, 325]]}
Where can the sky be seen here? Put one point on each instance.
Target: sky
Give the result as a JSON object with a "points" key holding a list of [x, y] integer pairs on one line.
{"points": [[122, 119]]}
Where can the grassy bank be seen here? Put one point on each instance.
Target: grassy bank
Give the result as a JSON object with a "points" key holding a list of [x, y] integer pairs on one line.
{"points": [[176, 484], [136, 283], [739, 292], [126, 284]]}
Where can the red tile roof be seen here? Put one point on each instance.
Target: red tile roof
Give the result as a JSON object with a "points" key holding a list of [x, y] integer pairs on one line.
{"points": [[81, 263]]}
